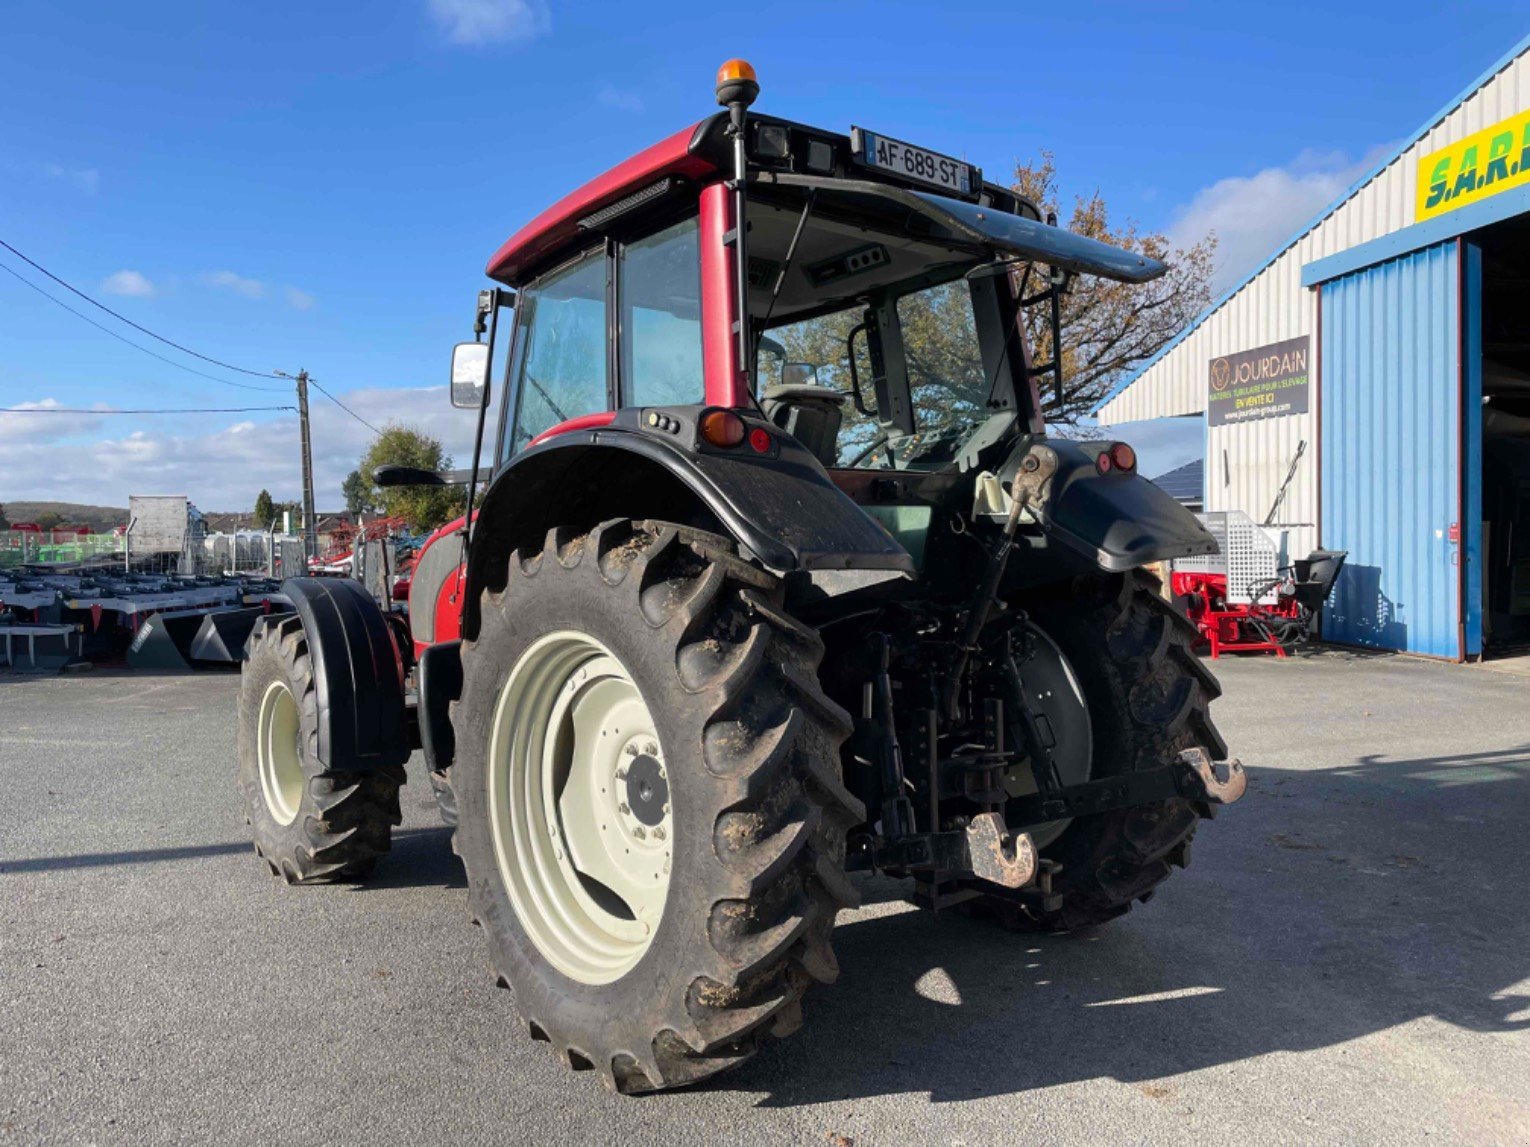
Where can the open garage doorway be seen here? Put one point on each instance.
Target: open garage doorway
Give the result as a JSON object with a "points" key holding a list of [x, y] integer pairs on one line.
{"points": [[1505, 456]]}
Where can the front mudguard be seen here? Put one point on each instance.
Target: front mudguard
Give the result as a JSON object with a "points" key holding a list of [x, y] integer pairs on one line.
{"points": [[358, 675], [1117, 520]]}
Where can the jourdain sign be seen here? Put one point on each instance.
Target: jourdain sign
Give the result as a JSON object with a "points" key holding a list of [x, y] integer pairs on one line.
{"points": [[1483, 164], [1264, 383]]}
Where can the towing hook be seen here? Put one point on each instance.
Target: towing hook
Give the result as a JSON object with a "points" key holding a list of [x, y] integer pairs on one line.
{"points": [[1009, 861], [1215, 782]]}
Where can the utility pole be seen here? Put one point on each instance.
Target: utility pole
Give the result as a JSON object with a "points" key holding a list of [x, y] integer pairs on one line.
{"points": [[310, 522]]}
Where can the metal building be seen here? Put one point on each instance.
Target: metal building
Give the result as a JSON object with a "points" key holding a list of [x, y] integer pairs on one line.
{"points": [[1367, 388]]}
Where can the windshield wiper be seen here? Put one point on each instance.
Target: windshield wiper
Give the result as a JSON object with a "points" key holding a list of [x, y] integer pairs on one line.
{"points": [[547, 398]]}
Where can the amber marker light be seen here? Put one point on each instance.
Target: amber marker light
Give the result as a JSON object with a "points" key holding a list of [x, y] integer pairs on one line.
{"points": [[722, 428], [1123, 456], [737, 83]]}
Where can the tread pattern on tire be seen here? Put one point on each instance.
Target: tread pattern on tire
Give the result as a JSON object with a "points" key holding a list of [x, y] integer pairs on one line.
{"points": [[769, 748], [1112, 860], [345, 820]]}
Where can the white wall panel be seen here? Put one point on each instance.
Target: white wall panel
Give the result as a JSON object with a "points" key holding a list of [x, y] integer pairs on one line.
{"points": [[1273, 305]]}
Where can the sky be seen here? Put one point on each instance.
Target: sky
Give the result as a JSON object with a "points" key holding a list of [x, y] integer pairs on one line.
{"points": [[319, 186]]}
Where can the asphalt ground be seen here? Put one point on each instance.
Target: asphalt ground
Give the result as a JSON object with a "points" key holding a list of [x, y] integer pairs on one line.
{"points": [[1345, 961]]}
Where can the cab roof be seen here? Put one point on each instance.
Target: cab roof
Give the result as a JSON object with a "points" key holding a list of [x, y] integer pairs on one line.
{"points": [[559, 224], [701, 153]]}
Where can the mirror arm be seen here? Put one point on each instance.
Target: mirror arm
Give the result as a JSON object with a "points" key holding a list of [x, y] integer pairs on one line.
{"points": [[1059, 278], [495, 298]]}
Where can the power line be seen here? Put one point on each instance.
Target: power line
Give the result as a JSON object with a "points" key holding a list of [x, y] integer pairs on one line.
{"points": [[155, 410], [131, 323], [136, 346], [345, 408]]}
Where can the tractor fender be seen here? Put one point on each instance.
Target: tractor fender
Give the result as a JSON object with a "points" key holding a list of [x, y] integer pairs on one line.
{"points": [[779, 505], [1117, 520], [438, 676], [435, 588], [358, 675]]}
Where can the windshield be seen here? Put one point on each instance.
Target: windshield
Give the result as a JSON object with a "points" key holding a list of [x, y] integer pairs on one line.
{"points": [[948, 383]]}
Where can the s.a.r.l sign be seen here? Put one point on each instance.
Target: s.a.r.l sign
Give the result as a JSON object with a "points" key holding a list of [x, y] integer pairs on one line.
{"points": [[1469, 170]]}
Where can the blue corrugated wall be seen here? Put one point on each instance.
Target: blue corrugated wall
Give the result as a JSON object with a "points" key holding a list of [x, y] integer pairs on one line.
{"points": [[1391, 433]]}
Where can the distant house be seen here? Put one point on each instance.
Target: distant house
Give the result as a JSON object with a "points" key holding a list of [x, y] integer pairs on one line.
{"points": [[328, 525], [1186, 484]]}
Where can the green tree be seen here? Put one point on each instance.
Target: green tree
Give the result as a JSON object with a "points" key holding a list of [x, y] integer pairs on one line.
{"points": [[422, 507], [4, 522], [48, 519], [360, 494], [265, 510]]}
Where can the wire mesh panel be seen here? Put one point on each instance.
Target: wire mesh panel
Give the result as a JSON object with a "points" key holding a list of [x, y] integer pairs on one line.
{"points": [[1246, 554], [57, 548]]}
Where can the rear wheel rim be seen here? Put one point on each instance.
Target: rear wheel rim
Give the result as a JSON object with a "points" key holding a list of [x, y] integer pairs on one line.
{"points": [[579, 807], [281, 763]]}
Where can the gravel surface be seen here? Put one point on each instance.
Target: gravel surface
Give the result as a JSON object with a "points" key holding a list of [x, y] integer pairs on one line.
{"points": [[1345, 961]]}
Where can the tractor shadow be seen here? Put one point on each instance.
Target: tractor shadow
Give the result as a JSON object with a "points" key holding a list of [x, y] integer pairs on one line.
{"points": [[1331, 904], [420, 858]]}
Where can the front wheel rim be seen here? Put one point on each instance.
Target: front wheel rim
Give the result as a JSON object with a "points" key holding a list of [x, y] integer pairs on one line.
{"points": [[281, 762], [579, 807]]}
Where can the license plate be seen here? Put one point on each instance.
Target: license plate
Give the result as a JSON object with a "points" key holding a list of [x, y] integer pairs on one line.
{"points": [[906, 161]]}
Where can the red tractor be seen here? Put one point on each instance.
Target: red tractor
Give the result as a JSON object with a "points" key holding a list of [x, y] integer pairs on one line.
{"points": [[777, 577]]}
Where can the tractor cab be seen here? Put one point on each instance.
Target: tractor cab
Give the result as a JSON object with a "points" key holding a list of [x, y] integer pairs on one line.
{"points": [[881, 287]]}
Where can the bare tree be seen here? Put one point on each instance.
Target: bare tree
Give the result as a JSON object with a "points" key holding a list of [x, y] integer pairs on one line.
{"points": [[1109, 328]]}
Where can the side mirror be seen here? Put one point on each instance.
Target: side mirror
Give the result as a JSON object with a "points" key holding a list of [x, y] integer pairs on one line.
{"points": [[799, 374], [470, 375]]}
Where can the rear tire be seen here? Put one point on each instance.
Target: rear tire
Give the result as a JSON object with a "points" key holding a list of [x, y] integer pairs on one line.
{"points": [[311, 823], [1149, 698], [757, 811]]}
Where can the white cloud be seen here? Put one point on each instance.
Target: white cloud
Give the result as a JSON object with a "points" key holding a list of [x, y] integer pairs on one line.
{"points": [[476, 22], [1254, 215], [620, 99], [130, 283], [228, 280], [44, 428], [301, 300], [218, 465]]}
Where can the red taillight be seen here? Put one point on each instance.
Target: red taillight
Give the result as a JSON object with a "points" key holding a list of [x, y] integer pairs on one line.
{"points": [[722, 428], [759, 441], [1103, 463], [1123, 456]]}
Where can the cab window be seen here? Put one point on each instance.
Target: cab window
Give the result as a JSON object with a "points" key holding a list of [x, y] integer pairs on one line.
{"points": [[659, 291], [947, 379], [560, 359]]}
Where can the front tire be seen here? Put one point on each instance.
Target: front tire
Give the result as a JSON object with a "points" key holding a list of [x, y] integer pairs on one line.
{"points": [[311, 823], [650, 637]]}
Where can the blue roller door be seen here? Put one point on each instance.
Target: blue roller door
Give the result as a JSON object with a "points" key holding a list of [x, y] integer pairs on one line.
{"points": [[1392, 444]]}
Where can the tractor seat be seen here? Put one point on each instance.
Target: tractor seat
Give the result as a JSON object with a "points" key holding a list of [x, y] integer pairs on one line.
{"points": [[810, 414]]}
